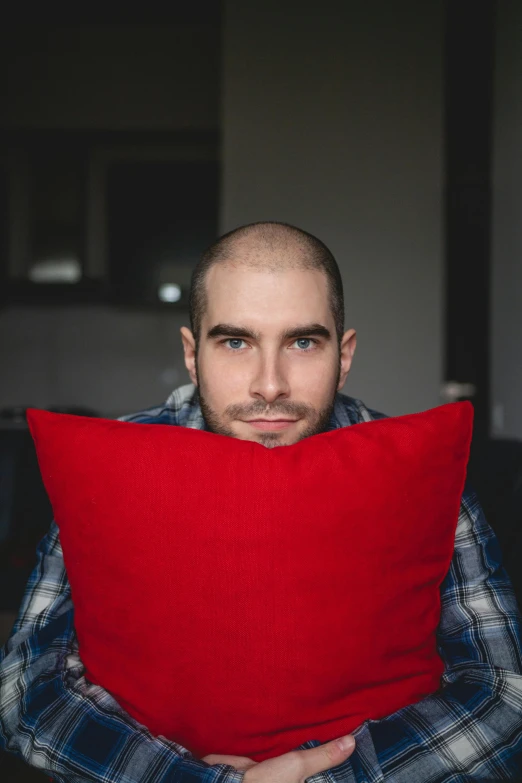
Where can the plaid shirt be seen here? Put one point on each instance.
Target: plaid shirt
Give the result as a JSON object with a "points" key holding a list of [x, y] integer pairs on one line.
{"points": [[470, 730]]}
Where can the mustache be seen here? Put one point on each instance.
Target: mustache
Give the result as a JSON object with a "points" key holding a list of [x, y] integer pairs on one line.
{"points": [[295, 410]]}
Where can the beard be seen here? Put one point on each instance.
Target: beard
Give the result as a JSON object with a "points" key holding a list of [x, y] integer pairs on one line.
{"points": [[318, 421]]}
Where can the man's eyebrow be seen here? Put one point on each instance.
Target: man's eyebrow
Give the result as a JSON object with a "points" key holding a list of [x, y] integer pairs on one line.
{"points": [[229, 330], [308, 330]]}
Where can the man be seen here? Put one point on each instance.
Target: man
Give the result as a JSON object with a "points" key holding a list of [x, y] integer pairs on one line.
{"points": [[268, 354]]}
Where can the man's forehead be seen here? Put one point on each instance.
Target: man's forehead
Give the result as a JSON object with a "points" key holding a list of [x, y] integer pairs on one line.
{"points": [[264, 303], [263, 298]]}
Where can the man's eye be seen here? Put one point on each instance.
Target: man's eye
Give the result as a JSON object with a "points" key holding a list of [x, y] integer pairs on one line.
{"points": [[304, 343], [235, 343]]}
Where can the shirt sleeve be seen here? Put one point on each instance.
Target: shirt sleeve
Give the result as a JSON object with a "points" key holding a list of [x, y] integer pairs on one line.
{"points": [[469, 731], [56, 720]]}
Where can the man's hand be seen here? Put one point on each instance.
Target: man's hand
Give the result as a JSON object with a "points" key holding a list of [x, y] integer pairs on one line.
{"points": [[293, 767]]}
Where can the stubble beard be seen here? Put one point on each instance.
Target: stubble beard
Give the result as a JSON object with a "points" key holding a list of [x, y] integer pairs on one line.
{"points": [[319, 421]]}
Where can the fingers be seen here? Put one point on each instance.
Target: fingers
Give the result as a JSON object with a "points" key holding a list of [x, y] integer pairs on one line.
{"points": [[326, 756], [297, 766]]}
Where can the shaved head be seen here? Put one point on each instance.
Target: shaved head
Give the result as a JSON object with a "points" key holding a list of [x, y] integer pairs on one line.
{"points": [[272, 247]]}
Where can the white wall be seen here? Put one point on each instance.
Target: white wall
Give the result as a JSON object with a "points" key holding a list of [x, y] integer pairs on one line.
{"points": [[507, 224], [332, 121]]}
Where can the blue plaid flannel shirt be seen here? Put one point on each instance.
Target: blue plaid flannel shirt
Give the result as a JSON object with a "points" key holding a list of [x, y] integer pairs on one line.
{"points": [[470, 730]]}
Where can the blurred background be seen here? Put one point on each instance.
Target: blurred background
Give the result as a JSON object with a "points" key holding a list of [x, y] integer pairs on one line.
{"points": [[390, 129]]}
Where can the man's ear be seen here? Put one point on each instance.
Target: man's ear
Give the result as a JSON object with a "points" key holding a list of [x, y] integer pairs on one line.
{"points": [[348, 345], [189, 351]]}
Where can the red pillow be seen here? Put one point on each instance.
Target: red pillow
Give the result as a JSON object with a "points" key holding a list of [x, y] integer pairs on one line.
{"points": [[242, 600]]}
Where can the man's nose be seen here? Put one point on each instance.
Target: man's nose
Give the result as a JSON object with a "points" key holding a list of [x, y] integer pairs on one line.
{"points": [[270, 382]]}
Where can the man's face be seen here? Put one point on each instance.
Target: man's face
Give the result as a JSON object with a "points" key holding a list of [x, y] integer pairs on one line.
{"points": [[268, 362]]}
